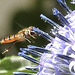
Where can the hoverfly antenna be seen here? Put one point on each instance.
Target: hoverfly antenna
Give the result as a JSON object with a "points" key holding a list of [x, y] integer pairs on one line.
{"points": [[19, 24]]}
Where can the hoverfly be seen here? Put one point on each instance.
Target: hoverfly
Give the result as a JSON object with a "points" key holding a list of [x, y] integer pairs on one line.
{"points": [[22, 35]]}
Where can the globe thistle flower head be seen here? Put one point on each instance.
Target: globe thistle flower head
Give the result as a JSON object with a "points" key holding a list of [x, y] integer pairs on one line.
{"points": [[58, 57], [61, 57], [72, 2]]}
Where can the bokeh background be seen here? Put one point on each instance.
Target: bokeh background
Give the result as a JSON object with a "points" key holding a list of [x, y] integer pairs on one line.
{"points": [[26, 13]]}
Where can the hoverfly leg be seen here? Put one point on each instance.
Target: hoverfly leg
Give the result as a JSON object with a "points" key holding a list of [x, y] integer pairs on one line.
{"points": [[6, 50], [28, 40], [31, 40]]}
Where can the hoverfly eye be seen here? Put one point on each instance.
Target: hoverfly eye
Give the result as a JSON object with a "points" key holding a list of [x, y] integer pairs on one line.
{"points": [[32, 33]]}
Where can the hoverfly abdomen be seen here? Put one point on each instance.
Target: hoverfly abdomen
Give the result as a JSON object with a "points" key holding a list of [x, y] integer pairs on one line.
{"points": [[8, 39]]}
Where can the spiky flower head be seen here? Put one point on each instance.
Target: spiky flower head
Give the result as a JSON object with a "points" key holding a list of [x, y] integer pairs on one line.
{"points": [[72, 2], [58, 57]]}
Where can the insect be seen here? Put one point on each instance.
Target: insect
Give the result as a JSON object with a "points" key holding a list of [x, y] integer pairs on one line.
{"points": [[22, 35]]}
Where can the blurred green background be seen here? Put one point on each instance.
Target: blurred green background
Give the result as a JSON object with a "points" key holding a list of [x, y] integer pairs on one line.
{"points": [[26, 13]]}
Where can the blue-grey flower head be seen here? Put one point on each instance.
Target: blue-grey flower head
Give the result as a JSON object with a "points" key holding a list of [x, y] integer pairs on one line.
{"points": [[72, 2], [60, 60], [58, 57]]}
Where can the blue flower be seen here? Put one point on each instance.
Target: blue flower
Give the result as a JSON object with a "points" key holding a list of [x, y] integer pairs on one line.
{"points": [[58, 57], [72, 2]]}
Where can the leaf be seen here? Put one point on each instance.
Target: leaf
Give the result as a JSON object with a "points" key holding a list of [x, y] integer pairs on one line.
{"points": [[13, 63]]}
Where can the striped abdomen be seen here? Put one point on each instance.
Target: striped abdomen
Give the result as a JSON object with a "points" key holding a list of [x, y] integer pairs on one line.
{"points": [[8, 39]]}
